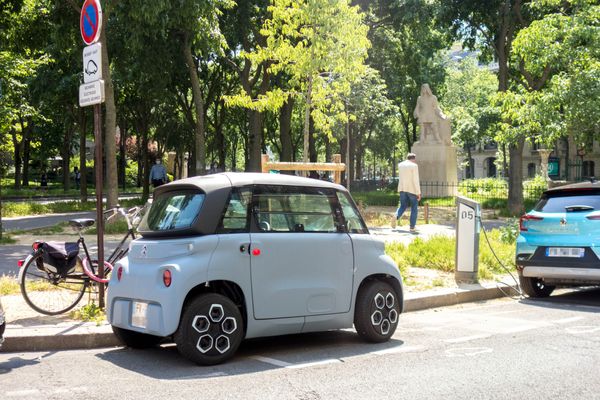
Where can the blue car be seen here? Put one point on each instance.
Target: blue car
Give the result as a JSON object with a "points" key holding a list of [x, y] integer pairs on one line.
{"points": [[559, 241]]}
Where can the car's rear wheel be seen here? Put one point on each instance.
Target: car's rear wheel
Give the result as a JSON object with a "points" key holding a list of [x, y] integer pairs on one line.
{"points": [[136, 340], [535, 287], [377, 311], [211, 330]]}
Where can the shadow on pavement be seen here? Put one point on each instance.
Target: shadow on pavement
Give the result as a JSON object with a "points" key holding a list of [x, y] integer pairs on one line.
{"points": [[586, 299], [166, 363]]}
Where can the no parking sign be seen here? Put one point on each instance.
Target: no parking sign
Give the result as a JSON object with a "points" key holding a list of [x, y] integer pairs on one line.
{"points": [[90, 22]]}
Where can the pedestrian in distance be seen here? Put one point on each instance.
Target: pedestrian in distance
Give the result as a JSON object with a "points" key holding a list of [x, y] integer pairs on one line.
{"points": [[409, 189], [158, 174], [44, 181], [77, 176]]}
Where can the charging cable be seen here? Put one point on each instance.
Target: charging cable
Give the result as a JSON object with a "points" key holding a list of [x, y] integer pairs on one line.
{"points": [[517, 287]]}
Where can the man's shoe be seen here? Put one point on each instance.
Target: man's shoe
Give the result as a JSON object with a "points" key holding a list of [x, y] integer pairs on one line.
{"points": [[394, 220], [413, 230]]}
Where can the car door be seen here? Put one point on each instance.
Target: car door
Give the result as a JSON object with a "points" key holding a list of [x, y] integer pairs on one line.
{"points": [[301, 260]]}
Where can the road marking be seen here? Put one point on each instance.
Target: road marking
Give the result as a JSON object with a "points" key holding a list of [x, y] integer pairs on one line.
{"points": [[271, 361], [468, 351], [315, 363], [583, 329], [568, 320], [468, 338], [397, 349], [284, 364], [22, 393]]}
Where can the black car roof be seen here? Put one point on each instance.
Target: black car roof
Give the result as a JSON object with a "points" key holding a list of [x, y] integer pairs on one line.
{"points": [[575, 186]]}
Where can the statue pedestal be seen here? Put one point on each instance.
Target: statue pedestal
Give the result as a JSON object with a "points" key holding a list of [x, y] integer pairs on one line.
{"points": [[438, 170]]}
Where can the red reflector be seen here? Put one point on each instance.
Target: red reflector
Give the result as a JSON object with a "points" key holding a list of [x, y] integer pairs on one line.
{"points": [[119, 273], [20, 263], [256, 252], [527, 217], [36, 245], [167, 277]]}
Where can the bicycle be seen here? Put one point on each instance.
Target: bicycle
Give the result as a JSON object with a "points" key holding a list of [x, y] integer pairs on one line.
{"points": [[54, 278]]}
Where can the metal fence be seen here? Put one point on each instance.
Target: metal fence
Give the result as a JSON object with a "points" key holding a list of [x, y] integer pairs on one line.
{"points": [[491, 194]]}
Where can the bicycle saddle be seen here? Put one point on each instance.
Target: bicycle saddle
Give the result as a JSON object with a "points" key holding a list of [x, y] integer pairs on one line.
{"points": [[81, 223]]}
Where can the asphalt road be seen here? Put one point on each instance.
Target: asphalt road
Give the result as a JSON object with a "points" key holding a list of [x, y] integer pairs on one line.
{"points": [[502, 349]]}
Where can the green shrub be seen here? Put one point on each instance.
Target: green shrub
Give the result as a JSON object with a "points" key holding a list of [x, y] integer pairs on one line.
{"points": [[439, 252]]}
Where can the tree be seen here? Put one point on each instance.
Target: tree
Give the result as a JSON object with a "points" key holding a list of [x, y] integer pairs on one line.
{"points": [[321, 46]]}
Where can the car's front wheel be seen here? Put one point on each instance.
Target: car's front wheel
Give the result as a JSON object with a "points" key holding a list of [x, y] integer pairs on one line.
{"points": [[211, 329], [535, 287], [377, 310]]}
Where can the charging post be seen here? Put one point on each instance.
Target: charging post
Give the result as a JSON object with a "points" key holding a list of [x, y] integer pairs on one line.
{"points": [[468, 213]]}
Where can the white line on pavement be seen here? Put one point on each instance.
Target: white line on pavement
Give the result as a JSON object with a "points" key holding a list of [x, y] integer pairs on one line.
{"points": [[397, 349], [567, 320], [271, 361], [468, 338]]}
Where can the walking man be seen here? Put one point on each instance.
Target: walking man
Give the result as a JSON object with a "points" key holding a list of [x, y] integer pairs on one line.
{"points": [[409, 189]]}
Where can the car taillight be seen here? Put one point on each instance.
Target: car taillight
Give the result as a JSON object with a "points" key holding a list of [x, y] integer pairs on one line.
{"points": [[119, 273], [167, 277], [20, 263], [527, 217]]}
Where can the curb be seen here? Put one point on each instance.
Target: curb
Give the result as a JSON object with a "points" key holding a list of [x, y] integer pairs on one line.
{"points": [[89, 336]]}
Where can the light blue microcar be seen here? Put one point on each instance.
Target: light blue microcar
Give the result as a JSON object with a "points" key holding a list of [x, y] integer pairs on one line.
{"points": [[240, 255]]}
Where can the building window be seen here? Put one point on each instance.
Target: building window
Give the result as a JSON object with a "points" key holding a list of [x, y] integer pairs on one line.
{"points": [[531, 170], [489, 167], [588, 169]]}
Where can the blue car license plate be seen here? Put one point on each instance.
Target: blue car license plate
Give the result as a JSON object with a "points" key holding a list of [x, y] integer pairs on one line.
{"points": [[576, 252]]}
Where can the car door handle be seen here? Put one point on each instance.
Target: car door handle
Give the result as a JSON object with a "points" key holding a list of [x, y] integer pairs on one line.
{"points": [[245, 248]]}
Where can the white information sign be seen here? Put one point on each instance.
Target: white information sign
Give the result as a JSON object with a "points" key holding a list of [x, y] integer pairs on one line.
{"points": [[91, 93], [92, 63]]}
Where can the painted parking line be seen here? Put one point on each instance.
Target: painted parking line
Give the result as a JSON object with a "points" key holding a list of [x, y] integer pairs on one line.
{"points": [[284, 364], [567, 320], [398, 349], [272, 361], [468, 338]]}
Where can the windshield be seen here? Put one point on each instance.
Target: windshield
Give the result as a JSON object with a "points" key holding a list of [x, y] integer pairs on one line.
{"points": [[173, 210], [569, 201]]}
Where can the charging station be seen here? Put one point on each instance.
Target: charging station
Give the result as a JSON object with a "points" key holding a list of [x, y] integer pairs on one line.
{"points": [[468, 213]]}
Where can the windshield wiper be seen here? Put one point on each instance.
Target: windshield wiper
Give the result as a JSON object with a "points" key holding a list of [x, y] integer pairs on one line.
{"points": [[578, 207]]}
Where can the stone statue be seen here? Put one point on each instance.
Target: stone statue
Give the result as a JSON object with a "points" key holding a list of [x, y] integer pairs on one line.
{"points": [[435, 126]]}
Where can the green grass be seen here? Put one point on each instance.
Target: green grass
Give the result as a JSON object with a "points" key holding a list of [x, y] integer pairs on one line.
{"points": [[13, 209], [116, 227], [7, 239], [438, 252]]}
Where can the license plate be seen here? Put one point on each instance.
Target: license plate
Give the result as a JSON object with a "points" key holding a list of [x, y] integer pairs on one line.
{"points": [[576, 252], [138, 314]]}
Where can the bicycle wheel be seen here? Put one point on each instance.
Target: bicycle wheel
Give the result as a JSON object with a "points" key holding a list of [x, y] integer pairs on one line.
{"points": [[48, 292]]}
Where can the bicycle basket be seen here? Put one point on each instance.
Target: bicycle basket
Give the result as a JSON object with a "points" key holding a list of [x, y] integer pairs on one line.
{"points": [[60, 256]]}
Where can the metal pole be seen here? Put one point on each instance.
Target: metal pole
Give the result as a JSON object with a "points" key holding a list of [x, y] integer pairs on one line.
{"points": [[99, 206]]}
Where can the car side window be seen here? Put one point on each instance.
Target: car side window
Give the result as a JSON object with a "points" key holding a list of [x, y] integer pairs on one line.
{"points": [[354, 222], [285, 209], [235, 218]]}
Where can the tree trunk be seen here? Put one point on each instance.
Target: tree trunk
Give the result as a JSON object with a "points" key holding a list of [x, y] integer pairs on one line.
{"points": [[26, 153], [65, 153], [312, 145], [146, 170], [308, 97], [515, 180], [123, 155], [199, 144], [110, 126], [17, 156], [255, 119], [285, 130], [82, 165]]}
